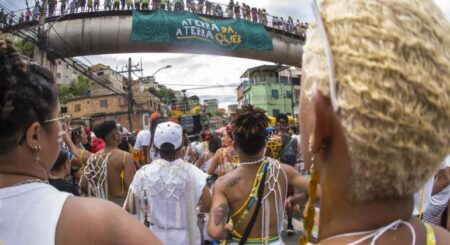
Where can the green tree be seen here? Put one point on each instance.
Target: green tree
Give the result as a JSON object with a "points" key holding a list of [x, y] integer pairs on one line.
{"points": [[194, 99], [76, 88], [25, 47]]}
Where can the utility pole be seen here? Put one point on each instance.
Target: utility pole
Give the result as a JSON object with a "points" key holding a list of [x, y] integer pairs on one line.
{"points": [[39, 50], [130, 69], [130, 96]]}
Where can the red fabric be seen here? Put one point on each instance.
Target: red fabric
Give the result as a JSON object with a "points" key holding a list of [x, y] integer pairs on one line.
{"points": [[97, 145], [208, 136]]}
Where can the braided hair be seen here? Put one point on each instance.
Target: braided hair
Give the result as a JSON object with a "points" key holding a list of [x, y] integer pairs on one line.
{"points": [[249, 131], [27, 95]]}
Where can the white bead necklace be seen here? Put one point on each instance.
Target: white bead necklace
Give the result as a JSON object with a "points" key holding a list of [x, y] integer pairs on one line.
{"points": [[253, 162]]}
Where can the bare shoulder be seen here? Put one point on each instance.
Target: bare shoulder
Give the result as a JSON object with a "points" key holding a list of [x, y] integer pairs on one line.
{"points": [[230, 179], [288, 169], [442, 235], [99, 222]]}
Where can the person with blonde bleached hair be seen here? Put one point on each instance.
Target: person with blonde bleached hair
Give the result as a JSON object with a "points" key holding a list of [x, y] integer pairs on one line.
{"points": [[375, 117]]}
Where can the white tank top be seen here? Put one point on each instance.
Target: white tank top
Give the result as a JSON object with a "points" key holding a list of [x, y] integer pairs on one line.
{"points": [[29, 214]]}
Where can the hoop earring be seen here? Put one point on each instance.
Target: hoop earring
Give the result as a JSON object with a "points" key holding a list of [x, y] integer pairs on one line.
{"points": [[37, 153]]}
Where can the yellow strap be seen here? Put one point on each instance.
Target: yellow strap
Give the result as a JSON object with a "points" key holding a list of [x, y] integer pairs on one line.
{"points": [[421, 203], [235, 233], [431, 237], [81, 158], [248, 198], [122, 174]]}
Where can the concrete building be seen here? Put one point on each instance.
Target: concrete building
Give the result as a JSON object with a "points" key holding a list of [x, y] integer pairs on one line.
{"points": [[64, 73], [211, 106], [109, 77], [270, 87]]}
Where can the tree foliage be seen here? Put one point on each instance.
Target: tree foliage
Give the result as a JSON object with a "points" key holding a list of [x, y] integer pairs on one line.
{"points": [[25, 47], [76, 88], [165, 94], [194, 99]]}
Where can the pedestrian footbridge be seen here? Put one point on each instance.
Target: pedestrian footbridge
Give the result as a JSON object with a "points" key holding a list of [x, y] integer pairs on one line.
{"points": [[109, 32]]}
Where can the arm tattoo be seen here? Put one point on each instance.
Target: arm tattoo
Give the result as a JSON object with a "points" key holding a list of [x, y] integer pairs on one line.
{"points": [[220, 214]]}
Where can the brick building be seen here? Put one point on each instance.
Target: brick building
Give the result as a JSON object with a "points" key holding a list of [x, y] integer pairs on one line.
{"points": [[92, 110]]}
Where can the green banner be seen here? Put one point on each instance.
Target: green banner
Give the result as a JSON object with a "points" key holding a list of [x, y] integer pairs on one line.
{"points": [[182, 27]]}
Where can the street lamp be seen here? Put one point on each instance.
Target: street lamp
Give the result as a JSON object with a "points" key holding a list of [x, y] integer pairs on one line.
{"points": [[162, 68]]}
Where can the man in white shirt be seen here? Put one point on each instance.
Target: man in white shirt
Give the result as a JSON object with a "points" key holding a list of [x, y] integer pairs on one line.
{"points": [[141, 147], [169, 190]]}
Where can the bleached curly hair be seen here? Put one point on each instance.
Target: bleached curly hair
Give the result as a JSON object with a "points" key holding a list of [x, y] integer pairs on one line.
{"points": [[392, 66]]}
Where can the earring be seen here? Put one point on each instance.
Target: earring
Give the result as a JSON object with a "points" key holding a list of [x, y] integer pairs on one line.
{"points": [[37, 153]]}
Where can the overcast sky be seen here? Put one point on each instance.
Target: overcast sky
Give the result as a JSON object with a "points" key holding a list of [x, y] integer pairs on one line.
{"points": [[206, 70]]}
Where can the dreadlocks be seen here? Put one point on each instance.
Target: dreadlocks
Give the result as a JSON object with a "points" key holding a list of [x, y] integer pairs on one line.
{"points": [[250, 125]]}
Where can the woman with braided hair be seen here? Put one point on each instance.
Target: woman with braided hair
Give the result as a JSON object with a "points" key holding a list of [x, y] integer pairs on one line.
{"points": [[32, 211], [254, 192], [374, 116]]}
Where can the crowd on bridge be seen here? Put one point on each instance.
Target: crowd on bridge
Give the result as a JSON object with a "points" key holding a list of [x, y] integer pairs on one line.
{"points": [[206, 7]]}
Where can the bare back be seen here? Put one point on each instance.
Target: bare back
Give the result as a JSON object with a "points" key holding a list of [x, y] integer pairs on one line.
{"points": [[237, 186], [116, 167], [117, 185]]}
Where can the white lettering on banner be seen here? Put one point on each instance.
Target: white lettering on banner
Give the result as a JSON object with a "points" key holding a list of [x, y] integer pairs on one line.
{"points": [[192, 28]]}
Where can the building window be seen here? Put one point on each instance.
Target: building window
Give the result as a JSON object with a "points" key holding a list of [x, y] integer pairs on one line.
{"points": [[275, 112], [275, 93], [295, 80], [284, 80], [78, 107], [104, 103], [289, 94]]}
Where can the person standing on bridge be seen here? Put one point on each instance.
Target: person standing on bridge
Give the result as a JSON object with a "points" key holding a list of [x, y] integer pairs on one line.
{"points": [[52, 7], [82, 4], [116, 5], [63, 7], [129, 4], [90, 5], [28, 15], [107, 5], [155, 4], [145, 4], [230, 9], [96, 4], [164, 3], [32, 211], [122, 4], [137, 4], [237, 10]]}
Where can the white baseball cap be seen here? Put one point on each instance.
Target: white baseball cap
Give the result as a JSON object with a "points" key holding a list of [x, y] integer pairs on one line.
{"points": [[168, 132]]}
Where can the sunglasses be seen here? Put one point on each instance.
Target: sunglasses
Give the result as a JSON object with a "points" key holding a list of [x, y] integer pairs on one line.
{"points": [[63, 119]]}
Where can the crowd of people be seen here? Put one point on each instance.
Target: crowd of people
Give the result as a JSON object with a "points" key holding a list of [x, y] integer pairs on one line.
{"points": [[232, 10], [374, 129]]}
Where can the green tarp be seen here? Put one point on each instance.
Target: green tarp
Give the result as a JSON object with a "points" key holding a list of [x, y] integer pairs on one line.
{"points": [[182, 27]]}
